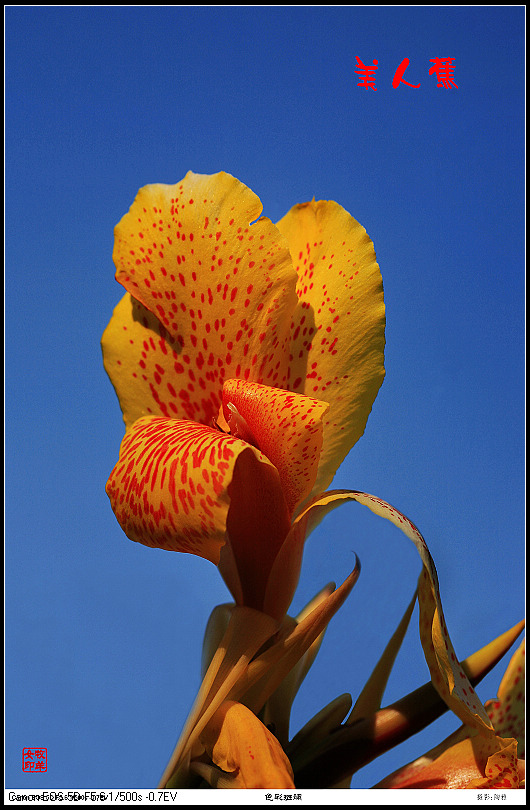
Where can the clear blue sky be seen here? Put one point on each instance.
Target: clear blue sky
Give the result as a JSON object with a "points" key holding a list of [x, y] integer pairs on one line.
{"points": [[103, 635]]}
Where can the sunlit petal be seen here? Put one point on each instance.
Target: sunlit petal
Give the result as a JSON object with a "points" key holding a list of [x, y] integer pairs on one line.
{"points": [[238, 743], [338, 327], [222, 289], [150, 371], [501, 769], [169, 488], [507, 712]]}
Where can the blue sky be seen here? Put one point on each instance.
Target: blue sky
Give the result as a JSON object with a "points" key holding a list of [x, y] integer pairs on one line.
{"points": [[103, 636]]}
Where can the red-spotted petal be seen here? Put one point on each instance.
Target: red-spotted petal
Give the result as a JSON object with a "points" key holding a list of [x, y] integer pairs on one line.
{"points": [[151, 372], [338, 327], [286, 427], [507, 712], [223, 291], [170, 487], [501, 769]]}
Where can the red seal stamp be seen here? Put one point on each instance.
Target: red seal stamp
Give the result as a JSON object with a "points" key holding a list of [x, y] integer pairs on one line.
{"points": [[34, 760]]}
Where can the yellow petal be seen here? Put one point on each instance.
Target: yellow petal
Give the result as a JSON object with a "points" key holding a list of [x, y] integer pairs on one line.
{"points": [[223, 291], [286, 427], [507, 713], [447, 675], [169, 488], [501, 768], [150, 371], [239, 743], [338, 327]]}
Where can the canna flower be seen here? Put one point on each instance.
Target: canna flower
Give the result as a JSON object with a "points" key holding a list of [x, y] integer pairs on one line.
{"points": [[246, 359]]}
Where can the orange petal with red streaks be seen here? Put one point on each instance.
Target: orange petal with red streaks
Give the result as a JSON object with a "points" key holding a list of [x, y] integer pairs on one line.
{"points": [[223, 290], [337, 330], [170, 487], [286, 427]]}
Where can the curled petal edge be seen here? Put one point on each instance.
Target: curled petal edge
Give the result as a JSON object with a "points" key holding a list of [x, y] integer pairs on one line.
{"points": [[447, 675]]}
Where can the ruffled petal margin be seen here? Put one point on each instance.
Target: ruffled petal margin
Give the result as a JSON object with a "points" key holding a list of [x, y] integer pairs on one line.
{"points": [[337, 331]]}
